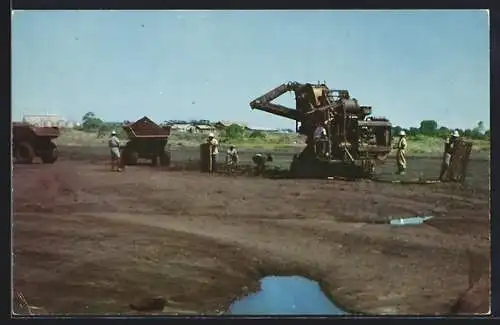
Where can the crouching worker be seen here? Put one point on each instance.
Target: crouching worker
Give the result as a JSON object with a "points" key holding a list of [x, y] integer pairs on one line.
{"points": [[260, 162], [114, 147], [232, 158]]}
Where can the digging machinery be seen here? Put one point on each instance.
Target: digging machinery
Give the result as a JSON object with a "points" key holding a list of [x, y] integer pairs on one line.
{"points": [[354, 140]]}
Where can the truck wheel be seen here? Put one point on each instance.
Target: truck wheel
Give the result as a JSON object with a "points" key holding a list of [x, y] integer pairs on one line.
{"points": [[50, 154], [131, 157], [165, 159], [24, 153]]}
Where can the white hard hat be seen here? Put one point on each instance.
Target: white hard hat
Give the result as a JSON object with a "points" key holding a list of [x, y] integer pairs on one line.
{"points": [[402, 133], [455, 134], [113, 132], [211, 135]]}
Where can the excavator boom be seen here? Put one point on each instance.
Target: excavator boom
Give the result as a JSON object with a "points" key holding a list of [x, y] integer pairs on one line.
{"points": [[263, 102]]}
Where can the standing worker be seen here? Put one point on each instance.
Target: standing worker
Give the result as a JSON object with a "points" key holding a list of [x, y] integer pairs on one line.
{"points": [[401, 153], [114, 146], [319, 137], [449, 146], [213, 146]]}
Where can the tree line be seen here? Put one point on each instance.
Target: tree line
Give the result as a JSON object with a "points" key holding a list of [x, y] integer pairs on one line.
{"points": [[432, 129], [92, 123]]}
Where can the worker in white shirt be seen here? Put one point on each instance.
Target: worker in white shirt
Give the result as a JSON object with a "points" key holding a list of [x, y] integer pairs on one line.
{"points": [[214, 151], [401, 147], [319, 137], [114, 147], [232, 158]]}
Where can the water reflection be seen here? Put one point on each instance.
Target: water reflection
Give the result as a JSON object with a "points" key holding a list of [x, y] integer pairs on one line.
{"points": [[286, 295]]}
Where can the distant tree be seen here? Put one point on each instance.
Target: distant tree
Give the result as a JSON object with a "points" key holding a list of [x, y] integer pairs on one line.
{"points": [[467, 133], [428, 127], [234, 131], [443, 131], [480, 127], [395, 130], [90, 122], [487, 134], [257, 134], [88, 116], [478, 131], [412, 131]]}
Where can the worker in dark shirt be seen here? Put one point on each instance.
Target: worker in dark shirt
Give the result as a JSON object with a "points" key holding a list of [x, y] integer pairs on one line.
{"points": [[448, 151]]}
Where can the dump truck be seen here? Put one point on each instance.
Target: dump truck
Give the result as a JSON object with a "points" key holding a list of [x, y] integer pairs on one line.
{"points": [[354, 139], [29, 142], [146, 140]]}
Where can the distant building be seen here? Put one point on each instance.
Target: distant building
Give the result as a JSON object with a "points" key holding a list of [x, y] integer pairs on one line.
{"points": [[204, 128], [183, 128], [263, 129], [44, 120]]}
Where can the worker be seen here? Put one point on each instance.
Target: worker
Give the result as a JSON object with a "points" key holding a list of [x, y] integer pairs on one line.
{"points": [[401, 153], [260, 160], [319, 137], [449, 147], [213, 151], [114, 146], [232, 158]]}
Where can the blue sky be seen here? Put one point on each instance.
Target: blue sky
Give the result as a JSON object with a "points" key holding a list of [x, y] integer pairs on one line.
{"points": [[409, 65]]}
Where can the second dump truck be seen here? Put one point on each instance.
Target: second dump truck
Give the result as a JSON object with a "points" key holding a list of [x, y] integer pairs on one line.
{"points": [[147, 140]]}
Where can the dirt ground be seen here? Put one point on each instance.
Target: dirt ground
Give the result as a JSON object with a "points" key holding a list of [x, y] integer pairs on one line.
{"points": [[89, 241]]}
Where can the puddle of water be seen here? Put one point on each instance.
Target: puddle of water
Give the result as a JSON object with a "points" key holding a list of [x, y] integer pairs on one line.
{"points": [[409, 221], [286, 295]]}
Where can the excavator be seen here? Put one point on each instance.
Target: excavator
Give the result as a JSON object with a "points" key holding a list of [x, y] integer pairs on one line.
{"points": [[354, 141]]}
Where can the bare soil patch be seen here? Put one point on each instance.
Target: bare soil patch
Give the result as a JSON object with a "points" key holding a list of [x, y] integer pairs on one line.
{"points": [[89, 241]]}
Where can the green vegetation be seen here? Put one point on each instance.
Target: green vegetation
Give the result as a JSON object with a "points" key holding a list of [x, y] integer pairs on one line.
{"points": [[429, 138], [422, 144], [429, 128], [426, 139], [241, 138]]}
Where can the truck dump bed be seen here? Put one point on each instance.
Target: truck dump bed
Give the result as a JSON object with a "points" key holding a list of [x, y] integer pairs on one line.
{"points": [[20, 129], [146, 128]]}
